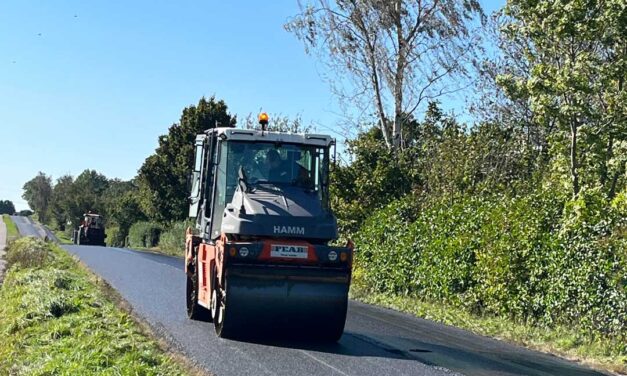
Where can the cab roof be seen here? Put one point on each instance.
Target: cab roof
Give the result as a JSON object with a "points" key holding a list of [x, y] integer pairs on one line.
{"points": [[268, 136]]}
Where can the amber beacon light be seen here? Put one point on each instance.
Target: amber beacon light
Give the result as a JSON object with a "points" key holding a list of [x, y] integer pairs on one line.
{"points": [[263, 119]]}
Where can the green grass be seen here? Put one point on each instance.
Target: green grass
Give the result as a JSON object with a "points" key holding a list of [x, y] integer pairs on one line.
{"points": [[56, 318], [62, 236], [566, 342], [12, 232], [162, 251]]}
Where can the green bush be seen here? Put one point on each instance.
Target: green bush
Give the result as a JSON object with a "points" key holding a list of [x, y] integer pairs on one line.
{"points": [[115, 237], [172, 239], [144, 234], [537, 258], [28, 252]]}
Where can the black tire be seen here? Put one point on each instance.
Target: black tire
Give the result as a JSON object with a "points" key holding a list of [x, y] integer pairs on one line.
{"points": [[223, 322], [331, 334], [194, 310], [332, 330]]}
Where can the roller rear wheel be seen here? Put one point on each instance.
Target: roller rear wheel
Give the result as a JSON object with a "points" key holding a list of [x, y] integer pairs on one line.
{"points": [[222, 320], [194, 310]]}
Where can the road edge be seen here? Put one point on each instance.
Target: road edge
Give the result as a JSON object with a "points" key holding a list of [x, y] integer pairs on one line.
{"points": [[166, 345]]}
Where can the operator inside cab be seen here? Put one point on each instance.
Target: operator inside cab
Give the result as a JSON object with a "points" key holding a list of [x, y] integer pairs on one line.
{"points": [[277, 169]]}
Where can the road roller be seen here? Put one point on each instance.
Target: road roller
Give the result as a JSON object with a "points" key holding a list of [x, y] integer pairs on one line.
{"points": [[259, 260]]}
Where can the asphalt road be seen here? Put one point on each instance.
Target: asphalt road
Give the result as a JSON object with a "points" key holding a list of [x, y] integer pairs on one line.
{"points": [[377, 341], [27, 227]]}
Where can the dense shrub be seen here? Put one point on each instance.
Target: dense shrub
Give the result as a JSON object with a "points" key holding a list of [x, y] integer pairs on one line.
{"points": [[28, 252], [144, 234], [539, 257], [115, 237], [172, 239]]}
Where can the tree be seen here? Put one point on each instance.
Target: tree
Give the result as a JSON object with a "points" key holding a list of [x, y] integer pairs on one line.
{"points": [[7, 207], [372, 179], [397, 55], [162, 179], [577, 57], [88, 194], [123, 207], [505, 114], [63, 205], [37, 193]]}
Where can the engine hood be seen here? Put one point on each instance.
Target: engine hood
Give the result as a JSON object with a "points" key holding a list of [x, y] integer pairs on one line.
{"points": [[279, 211]]}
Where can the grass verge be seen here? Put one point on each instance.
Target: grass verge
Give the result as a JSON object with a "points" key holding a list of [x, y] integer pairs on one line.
{"points": [[565, 342], [56, 319], [62, 236], [12, 232], [162, 251]]}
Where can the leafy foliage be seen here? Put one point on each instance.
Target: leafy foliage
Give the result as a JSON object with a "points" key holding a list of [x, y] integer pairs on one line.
{"points": [[38, 193], [7, 207], [144, 234], [536, 258], [441, 159], [162, 179], [576, 57], [172, 239]]}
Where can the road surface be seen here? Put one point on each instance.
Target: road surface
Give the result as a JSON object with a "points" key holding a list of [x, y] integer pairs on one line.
{"points": [[27, 227], [377, 341]]}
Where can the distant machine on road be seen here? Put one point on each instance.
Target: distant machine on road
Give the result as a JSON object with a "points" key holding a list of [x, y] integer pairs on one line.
{"points": [[261, 258], [91, 231]]}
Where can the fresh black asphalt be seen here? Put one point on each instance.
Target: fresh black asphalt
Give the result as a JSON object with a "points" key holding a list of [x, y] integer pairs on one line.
{"points": [[377, 341]]}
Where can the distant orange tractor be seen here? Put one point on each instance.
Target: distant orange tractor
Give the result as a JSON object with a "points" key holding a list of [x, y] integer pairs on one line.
{"points": [[91, 231]]}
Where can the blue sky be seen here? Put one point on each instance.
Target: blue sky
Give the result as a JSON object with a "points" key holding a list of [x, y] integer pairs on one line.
{"points": [[92, 84]]}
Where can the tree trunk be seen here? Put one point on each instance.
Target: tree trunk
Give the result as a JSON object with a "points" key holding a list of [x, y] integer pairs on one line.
{"points": [[574, 174], [398, 79], [609, 151], [612, 192], [385, 130]]}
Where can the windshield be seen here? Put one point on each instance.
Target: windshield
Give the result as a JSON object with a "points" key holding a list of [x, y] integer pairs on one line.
{"points": [[93, 221], [268, 166], [265, 163]]}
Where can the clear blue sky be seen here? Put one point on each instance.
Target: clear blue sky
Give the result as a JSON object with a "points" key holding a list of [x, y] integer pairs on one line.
{"points": [[92, 84]]}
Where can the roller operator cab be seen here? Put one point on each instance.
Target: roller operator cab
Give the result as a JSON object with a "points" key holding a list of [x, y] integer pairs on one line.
{"points": [[260, 260]]}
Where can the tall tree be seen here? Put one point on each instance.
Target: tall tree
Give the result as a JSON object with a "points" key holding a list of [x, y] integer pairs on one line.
{"points": [[577, 57], [63, 205], [122, 205], [87, 194], [37, 193], [397, 55], [162, 179]]}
